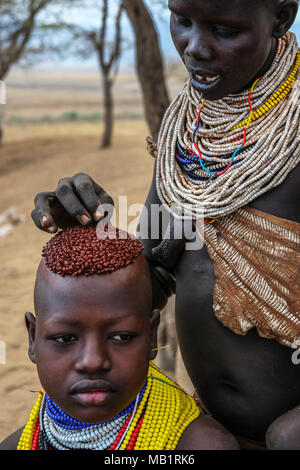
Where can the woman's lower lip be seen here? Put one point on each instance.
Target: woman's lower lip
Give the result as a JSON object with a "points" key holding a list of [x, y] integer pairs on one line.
{"points": [[92, 398], [202, 86]]}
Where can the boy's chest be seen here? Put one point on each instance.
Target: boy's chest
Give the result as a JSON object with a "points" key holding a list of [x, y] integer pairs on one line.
{"points": [[284, 200]]}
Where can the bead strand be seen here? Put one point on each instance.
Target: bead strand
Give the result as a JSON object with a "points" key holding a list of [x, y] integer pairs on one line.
{"points": [[270, 152], [25, 442]]}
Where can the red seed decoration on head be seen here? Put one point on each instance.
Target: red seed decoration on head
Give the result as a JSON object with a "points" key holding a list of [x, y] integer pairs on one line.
{"points": [[79, 251]]}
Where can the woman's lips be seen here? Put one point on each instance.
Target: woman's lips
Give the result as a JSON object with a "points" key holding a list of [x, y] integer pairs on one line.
{"points": [[204, 82], [206, 78]]}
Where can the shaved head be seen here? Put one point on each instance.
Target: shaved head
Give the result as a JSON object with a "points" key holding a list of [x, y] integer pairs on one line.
{"points": [[95, 325], [130, 284], [77, 264]]}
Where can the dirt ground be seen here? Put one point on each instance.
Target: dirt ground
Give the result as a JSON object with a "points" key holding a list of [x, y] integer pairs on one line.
{"points": [[32, 159]]}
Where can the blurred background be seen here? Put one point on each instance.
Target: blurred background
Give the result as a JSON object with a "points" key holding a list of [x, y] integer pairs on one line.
{"points": [[83, 83]]}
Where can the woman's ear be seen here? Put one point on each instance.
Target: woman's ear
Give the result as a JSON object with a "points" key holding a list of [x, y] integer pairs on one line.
{"points": [[154, 324], [30, 322], [286, 15]]}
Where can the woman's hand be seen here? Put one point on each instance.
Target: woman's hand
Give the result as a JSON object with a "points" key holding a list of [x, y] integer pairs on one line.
{"points": [[77, 200]]}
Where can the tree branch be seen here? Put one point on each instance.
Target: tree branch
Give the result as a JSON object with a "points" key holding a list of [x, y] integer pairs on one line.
{"points": [[19, 38]]}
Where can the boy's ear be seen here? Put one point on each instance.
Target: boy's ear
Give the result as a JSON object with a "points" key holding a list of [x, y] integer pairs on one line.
{"points": [[30, 322], [154, 324], [286, 15]]}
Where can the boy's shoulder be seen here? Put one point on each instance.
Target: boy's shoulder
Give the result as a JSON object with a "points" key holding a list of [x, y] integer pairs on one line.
{"points": [[207, 434], [11, 442], [203, 434]]}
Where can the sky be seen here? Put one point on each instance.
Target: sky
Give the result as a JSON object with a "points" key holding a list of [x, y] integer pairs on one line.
{"points": [[89, 16]]}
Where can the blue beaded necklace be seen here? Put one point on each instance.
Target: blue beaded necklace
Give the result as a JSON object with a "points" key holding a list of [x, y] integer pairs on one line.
{"points": [[65, 421], [190, 164]]}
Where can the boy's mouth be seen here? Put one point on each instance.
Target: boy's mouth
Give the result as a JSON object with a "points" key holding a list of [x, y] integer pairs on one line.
{"points": [[92, 392], [96, 398]]}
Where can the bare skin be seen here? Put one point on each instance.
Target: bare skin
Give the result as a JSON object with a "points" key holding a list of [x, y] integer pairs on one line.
{"points": [[101, 330], [248, 383]]}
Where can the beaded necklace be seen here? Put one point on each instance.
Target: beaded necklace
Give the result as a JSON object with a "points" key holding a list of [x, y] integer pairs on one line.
{"points": [[97, 437], [63, 432], [223, 170], [200, 166], [160, 414]]}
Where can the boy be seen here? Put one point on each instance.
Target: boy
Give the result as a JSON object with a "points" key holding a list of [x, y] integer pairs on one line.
{"points": [[93, 341], [229, 149]]}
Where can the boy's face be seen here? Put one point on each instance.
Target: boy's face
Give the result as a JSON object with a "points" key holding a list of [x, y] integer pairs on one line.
{"points": [[93, 339], [224, 45]]}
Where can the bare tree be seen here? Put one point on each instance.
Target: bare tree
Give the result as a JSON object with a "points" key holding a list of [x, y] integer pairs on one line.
{"points": [[18, 20], [107, 65], [149, 64], [85, 41], [17, 23]]}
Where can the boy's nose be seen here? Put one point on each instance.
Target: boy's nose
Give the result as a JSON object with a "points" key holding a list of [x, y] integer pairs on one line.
{"points": [[93, 357], [198, 48]]}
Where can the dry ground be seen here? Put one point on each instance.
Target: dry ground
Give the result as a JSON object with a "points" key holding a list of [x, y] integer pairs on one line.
{"points": [[32, 159]]}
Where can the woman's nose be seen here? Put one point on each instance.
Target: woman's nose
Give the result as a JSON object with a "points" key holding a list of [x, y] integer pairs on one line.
{"points": [[93, 357], [198, 47]]}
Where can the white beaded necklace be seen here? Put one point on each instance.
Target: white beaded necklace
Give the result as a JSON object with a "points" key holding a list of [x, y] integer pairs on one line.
{"points": [[271, 152], [98, 437]]}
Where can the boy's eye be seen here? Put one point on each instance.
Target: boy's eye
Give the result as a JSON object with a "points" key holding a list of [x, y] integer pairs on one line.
{"points": [[122, 337], [65, 338]]}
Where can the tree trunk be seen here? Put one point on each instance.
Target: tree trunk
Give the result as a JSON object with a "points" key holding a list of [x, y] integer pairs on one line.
{"points": [[149, 64], [2, 103], [108, 112]]}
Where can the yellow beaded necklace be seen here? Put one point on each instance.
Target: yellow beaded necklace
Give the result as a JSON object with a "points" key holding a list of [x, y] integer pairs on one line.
{"points": [[276, 97], [25, 442], [167, 409]]}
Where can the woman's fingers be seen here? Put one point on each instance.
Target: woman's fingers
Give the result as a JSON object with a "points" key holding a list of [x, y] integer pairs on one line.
{"points": [[106, 207], [70, 200], [86, 190], [41, 214], [77, 198], [81, 191]]}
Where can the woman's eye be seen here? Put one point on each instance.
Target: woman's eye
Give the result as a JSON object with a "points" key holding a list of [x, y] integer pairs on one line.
{"points": [[122, 337], [227, 33], [183, 21], [65, 338]]}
